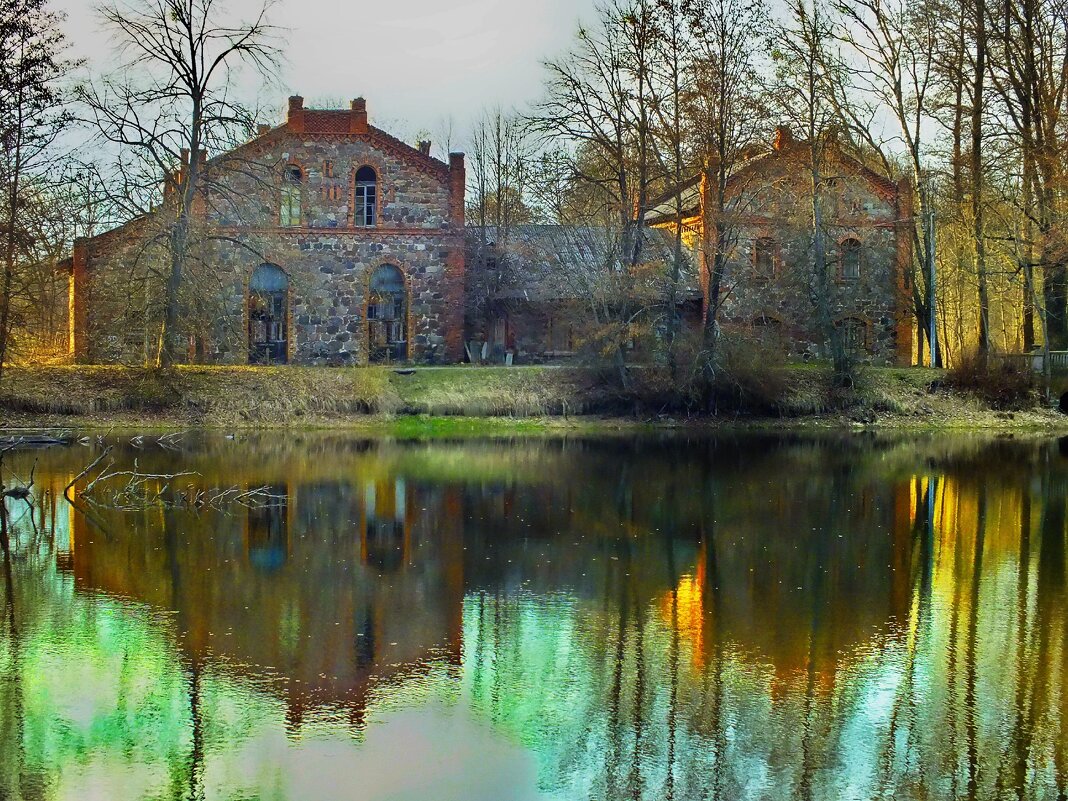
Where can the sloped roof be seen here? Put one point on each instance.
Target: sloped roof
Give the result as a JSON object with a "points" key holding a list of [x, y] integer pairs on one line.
{"points": [[663, 209], [557, 262]]}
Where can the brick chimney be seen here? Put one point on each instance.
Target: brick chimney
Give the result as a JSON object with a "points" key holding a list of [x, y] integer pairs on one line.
{"points": [[783, 138], [358, 116], [455, 266], [296, 114], [263, 129], [183, 168], [424, 147]]}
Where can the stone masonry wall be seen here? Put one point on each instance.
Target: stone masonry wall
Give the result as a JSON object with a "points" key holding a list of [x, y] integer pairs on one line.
{"points": [[327, 258], [856, 207]]}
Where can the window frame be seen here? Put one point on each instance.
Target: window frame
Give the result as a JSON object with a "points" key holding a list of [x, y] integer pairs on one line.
{"points": [[850, 244], [366, 198], [291, 197]]}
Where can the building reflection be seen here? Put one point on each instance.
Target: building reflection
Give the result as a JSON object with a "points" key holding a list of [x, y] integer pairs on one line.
{"points": [[319, 593], [702, 619]]}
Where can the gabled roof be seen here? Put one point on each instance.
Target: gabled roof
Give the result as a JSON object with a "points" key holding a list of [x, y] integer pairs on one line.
{"points": [[314, 122], [663, 209], [547, 256], [338, 122]]}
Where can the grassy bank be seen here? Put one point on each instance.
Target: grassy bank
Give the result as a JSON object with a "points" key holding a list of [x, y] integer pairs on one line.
{"points": [[461, 400]]}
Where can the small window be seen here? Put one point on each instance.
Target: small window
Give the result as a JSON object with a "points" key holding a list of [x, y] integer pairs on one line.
{"points": [[849, 256], [366, 197], [764, 257], [291, 191]]}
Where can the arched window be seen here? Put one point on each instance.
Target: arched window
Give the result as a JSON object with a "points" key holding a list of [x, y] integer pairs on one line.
{"points": [[849, 258], [387, 316], [764, 257], [292, 180], [366, 196], [268, 291]]}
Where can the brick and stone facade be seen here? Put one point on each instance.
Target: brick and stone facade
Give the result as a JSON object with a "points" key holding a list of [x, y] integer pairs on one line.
{"points": [[291, 208], [770, 283]]}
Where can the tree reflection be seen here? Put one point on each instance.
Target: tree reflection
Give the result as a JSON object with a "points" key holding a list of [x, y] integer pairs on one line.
{"points": [[722, 618]]}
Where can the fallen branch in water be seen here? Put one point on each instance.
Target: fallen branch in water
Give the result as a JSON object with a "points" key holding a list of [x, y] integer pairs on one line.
{"points": [[132, 490]]}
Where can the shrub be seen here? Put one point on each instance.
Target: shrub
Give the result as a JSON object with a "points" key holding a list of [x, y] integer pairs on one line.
{"points": [[752, 375], [1001, 383]]}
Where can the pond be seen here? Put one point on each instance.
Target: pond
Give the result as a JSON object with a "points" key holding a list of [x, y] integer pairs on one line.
{"points": [[661, 617]]}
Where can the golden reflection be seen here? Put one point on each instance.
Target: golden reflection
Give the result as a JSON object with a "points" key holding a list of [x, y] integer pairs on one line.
{"points": [[758, 618]]}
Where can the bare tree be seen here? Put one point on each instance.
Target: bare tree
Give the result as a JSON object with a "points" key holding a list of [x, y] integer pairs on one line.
{"points": [[167, 124], [729, 114], [672, 78], [501, 156], [895, 43], [807, 75], [31, 116], [597, 105], [1029, 74]]}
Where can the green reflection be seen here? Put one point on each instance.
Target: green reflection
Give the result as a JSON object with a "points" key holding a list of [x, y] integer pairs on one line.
{"points": [[730, 618]]}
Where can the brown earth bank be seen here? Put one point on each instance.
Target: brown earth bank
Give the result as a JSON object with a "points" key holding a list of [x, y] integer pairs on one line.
{"points": [[491, 400]]}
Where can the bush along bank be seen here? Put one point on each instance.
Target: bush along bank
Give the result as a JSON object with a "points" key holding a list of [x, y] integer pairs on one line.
{"points": [[787, 395]]}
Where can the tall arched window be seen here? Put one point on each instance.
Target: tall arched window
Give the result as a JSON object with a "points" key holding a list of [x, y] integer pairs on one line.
{"points": [[849, 255], [268, 292], [292, 180], [387, 316], [366, 196]]}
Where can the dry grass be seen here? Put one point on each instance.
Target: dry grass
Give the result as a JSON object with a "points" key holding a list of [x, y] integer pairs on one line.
{"points": [[311, 396], [271, 395]]}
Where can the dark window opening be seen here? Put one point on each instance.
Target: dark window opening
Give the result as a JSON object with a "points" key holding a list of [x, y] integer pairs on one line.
{"points": [[387, 316], [268, 295], [366, 196], [768, 331], [849, 254]]}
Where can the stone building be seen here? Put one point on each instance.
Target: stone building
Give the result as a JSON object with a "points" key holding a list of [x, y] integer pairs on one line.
{"points": [[531, 287], [769, 283], [321, 241]]}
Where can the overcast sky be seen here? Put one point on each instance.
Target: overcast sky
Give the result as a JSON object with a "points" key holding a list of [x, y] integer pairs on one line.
{"points": [[417, 62]]}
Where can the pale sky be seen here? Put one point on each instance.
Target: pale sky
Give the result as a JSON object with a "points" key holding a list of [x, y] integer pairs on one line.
{"points": [[417, 62]]}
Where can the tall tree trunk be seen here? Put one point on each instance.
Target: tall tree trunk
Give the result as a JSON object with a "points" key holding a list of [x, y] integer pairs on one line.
{"points": [[978, 217]]}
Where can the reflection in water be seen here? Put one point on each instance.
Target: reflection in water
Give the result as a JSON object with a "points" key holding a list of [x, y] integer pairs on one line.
{"points": [[647, 619]]}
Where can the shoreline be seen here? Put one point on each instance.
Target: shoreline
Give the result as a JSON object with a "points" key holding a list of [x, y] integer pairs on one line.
{"points": [[466, 401], [430, 426]]}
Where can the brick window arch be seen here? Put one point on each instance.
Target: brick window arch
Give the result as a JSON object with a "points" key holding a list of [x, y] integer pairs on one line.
{"points": [[387, 315]]}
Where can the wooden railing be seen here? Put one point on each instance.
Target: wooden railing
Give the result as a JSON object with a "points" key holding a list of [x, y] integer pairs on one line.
{"points": [[1058, 360]]}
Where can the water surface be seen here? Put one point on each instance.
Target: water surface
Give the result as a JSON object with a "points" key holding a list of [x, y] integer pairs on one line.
{"points": [[748, 617]]}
